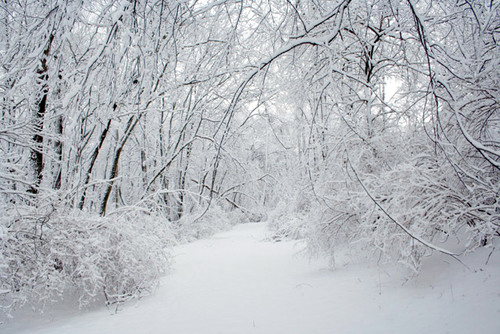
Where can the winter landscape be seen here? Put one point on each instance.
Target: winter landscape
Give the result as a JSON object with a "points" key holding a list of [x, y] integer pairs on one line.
{"points": [[249, 166], [242, 282]]}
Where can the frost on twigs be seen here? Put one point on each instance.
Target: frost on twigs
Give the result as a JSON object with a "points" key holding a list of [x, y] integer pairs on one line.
{"points": [[202, 223], [46, 254], [356, 214], [289, 221]]}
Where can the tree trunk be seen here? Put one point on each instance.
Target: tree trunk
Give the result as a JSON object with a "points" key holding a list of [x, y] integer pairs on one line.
{"points": [[92, 163], [58, 147], [37, 149], [132, 122]]}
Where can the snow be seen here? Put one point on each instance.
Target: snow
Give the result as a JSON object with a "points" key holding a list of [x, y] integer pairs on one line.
{"points": [[241, 282]]}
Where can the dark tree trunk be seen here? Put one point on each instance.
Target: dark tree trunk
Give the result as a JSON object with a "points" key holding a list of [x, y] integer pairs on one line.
{"points": [[37, 149], [132, 122], [95, 154], [58, 147]]}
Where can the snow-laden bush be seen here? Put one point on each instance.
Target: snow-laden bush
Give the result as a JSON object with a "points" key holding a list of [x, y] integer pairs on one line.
{"points": [[46, 255], [290, 218], [202, 223], [389, 207]]}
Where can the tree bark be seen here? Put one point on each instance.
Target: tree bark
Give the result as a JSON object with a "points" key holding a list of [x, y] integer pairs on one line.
{"points": [[37, 149], [132, 122], [92, 163]]}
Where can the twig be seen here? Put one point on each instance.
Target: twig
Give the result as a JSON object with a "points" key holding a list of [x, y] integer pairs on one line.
{"points": [[488, 259]]}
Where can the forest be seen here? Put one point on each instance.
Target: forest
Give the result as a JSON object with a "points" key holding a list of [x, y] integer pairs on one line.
{"points": [[129, 126]]}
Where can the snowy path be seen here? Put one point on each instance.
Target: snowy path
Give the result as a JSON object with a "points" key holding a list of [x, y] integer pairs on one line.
{"points": [[237, 282]]}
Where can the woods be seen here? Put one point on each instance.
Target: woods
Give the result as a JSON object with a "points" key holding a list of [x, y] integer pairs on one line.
{"points": [[130, 125]]}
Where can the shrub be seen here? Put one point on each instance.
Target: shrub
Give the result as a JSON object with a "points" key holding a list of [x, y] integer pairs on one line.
{"points": [[45, 254]]}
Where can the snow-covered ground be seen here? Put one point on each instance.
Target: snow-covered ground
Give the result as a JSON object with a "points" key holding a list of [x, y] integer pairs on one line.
{"points": [[240, 282]]}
